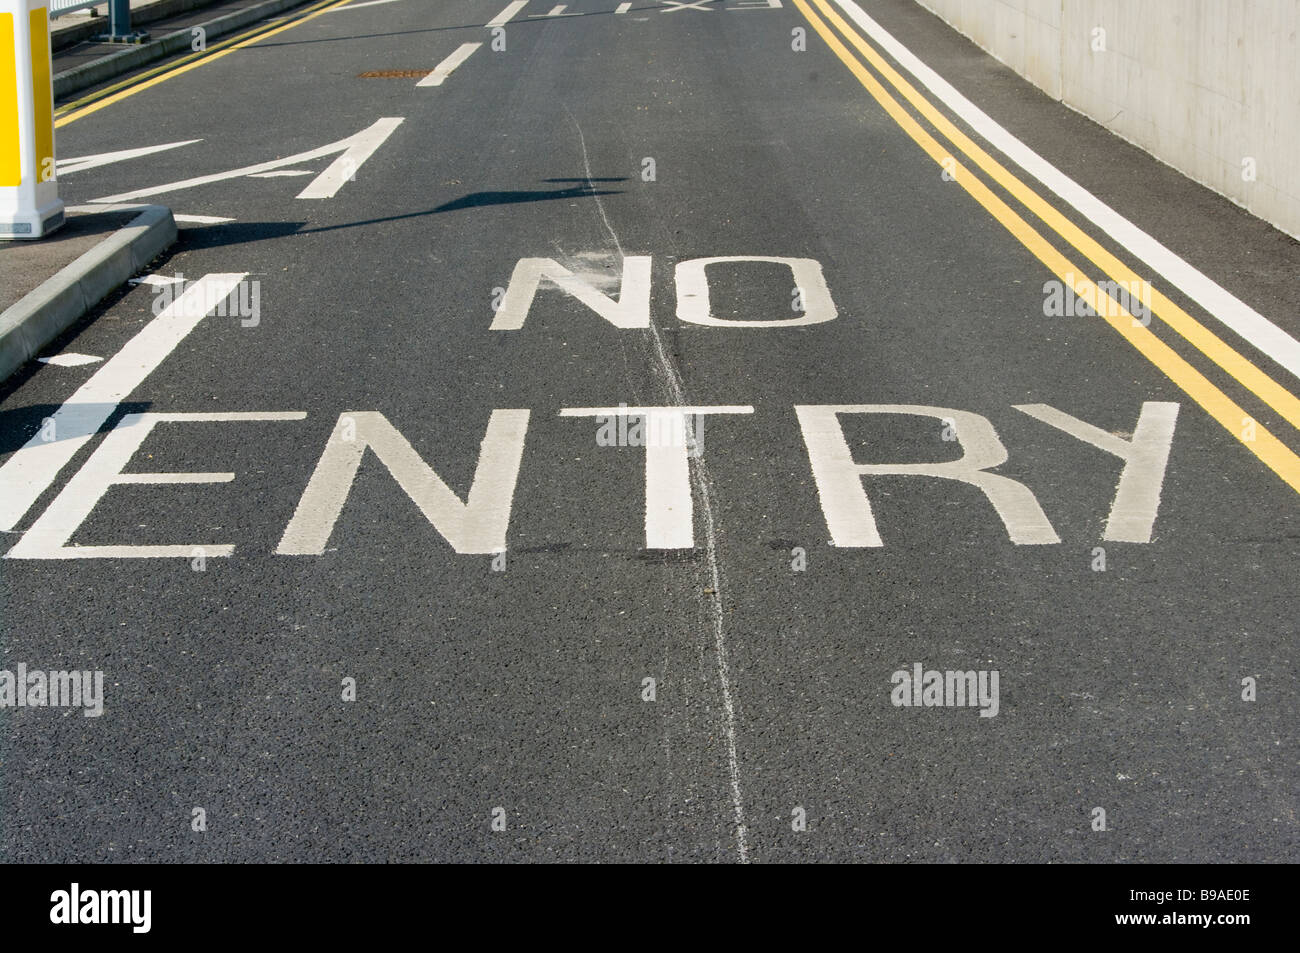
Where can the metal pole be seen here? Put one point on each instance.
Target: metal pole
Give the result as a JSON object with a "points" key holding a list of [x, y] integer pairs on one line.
{"points": [[119, 24]]}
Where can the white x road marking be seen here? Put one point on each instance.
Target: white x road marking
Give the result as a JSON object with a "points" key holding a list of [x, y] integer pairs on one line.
{"points": [[674, 6]]}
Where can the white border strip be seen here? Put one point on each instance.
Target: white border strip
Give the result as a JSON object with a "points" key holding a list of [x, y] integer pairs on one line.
{"points": [[1219, 302]]}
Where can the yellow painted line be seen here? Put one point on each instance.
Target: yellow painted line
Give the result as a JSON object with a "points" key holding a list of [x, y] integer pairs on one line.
{"points": [[1271, 451], [140, 77], [42, 92], [11, 157], [1201, 337], [202, 60]]}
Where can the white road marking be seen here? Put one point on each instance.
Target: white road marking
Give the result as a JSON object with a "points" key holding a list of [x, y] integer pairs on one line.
{"points": [[358, 6], [278, 173], [757, 5], [839, 477], [70, 359], [693, 293], [1224, 306], [704, 486], [355, 148], [674, 6], [178, 217], [623, 8], [199, 219], [48, 537], [33, 467], [1145, 456], [478, 525], [156, 281], [445, 68], [80, 164], [669, 510], [344, 169], [508, 14], [631, 310]]}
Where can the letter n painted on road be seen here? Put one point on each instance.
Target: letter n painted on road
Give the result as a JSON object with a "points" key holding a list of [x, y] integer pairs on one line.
{"points": [[631, 310], [476, 526]]}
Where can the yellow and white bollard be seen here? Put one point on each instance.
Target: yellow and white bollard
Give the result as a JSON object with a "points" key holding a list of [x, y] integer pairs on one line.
{"points": [[29, 195]]}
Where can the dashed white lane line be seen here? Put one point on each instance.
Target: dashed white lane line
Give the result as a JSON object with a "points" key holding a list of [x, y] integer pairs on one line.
{"points": [[508, 14], [623, 8], [445, 68], [34, 466], [1219, 302]]}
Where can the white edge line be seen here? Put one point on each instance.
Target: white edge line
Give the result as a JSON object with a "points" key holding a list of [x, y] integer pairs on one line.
{"points": [[1224, 306]]}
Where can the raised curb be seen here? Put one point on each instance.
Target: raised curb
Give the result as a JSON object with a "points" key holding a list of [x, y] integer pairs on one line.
{"points": [[62, 37], [45, 313], [91, 74]]}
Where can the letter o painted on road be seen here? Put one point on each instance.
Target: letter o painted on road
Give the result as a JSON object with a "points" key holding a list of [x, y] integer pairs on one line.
{"points": [[693, 293]]}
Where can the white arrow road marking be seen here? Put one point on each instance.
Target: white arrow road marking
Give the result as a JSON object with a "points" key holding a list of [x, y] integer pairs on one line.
{"points": [[356, 149], [80, 164], [32, 468], [444, 69]]}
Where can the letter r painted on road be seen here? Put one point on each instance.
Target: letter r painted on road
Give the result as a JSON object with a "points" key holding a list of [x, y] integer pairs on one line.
{"points": [[844, 499]]}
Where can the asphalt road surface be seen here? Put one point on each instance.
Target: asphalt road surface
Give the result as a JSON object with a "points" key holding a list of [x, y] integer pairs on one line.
{"points": [[382, 582]]}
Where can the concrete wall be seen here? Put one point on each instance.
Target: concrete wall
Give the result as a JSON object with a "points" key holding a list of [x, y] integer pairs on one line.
{"points": [[1204, 85]]}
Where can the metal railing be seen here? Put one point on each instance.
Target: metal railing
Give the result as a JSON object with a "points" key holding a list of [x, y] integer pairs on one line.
{"points": [[60, 7], [119, 18]]}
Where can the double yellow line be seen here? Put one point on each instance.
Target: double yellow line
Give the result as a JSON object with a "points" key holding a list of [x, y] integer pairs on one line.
{"points": [[1253, 435], [71, 112]]}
